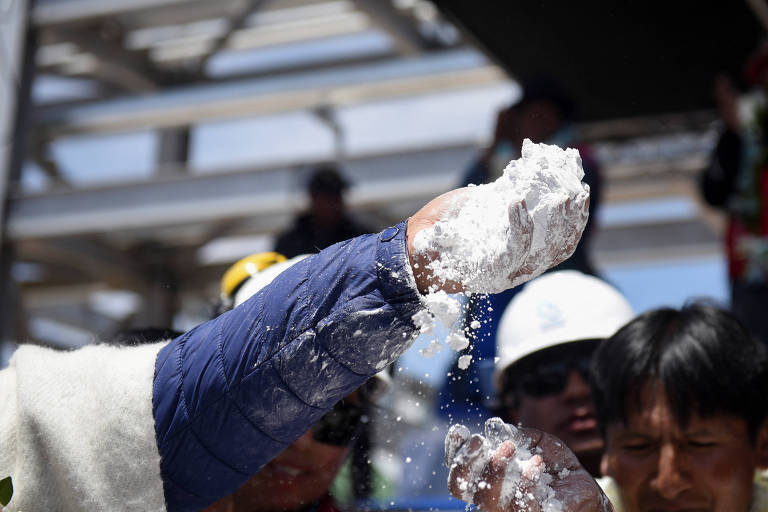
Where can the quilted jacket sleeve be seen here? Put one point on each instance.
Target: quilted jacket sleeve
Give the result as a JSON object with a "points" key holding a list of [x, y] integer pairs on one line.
{"points": [[233, 392]]}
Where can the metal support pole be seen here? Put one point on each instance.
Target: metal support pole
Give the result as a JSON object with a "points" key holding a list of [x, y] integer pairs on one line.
{"points": [[17, 45]]}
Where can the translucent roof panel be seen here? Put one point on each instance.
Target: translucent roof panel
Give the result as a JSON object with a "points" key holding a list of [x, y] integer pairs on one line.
{"points": [[100, 159], [461, 116], [263, 140], [370, 43]]}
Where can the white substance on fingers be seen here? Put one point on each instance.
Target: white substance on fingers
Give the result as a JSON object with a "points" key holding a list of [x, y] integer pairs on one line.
{"points": [[502, 234], [509, 231], [527, 480]]}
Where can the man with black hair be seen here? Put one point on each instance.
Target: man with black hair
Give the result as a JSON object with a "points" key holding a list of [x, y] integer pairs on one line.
{"points": [[682, 400]]}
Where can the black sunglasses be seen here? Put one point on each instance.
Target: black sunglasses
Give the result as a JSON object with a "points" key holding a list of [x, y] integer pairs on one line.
{"points": [[551, 377], [341, 425]]}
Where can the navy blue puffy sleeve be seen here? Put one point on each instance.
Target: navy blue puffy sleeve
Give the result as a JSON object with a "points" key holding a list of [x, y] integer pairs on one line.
{"points": [[233, 392]]}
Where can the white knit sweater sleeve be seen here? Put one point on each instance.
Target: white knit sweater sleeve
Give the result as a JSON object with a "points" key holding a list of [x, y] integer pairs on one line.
{"points": [[77, 431]]}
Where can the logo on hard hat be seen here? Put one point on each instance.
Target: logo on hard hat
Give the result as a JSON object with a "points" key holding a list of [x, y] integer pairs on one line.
{"points": [[550, 316]]}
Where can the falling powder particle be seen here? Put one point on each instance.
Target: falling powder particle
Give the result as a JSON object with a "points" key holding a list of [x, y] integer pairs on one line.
{"points": [[464, 361], [433, 349], [445, 308], [457, 341]]}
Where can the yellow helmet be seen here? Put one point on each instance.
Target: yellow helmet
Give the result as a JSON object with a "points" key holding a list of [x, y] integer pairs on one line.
{"points": [[246, 268]]}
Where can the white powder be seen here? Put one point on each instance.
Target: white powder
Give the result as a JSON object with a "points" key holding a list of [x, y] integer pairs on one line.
{"points": [[445, 308], [457, 341], [448, 311], [432, 349], [526, 481], [504, 233], [425, 321], [464, 361]]}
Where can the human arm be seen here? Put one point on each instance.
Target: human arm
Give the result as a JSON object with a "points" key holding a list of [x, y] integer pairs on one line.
{"points": [[235, 391], [513, 469]]}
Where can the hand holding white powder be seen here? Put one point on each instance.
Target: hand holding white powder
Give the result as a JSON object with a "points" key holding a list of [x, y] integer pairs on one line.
{"points": [[496, 236], [513, 469]]}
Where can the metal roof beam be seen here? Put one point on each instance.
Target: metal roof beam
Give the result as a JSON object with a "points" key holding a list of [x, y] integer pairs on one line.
{"points": [[74, 11], [405, 33], [188, 105], [114, 65], [266, 196], [89, 256]]}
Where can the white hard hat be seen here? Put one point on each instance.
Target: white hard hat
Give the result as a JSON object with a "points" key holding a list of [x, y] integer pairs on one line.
{"points": [[555, 309]]}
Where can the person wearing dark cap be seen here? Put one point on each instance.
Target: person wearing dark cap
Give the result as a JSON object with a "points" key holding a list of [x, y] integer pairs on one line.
{"points": [[326, 220]]}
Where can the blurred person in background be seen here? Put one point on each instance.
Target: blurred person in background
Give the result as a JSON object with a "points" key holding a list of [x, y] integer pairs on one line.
{"points": [[326, 220], [300, 477], [543, 114], [546, 338], [736, 181]]}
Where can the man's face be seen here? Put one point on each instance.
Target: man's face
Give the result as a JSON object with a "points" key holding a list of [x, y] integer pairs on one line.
{"points": [[569, 415], [658, 464], [554, 396], [327, 208], [300, 475]]}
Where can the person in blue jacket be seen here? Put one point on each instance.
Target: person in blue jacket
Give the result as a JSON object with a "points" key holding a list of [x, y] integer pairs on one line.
{"points": [[179, 424]]}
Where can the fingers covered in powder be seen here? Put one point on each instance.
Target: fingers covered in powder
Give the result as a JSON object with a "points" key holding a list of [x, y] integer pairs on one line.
{"points": [[514, 469]]}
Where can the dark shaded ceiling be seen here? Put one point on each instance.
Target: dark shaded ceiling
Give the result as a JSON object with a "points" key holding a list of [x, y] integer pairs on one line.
{"points": [[617, 59]]}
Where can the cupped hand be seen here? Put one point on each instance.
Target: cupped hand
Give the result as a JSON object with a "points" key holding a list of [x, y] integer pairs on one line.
{"points": [[513, 469]]}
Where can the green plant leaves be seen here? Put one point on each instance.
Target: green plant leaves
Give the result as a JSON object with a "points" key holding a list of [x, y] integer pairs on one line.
{"points": [[6, 490]]}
